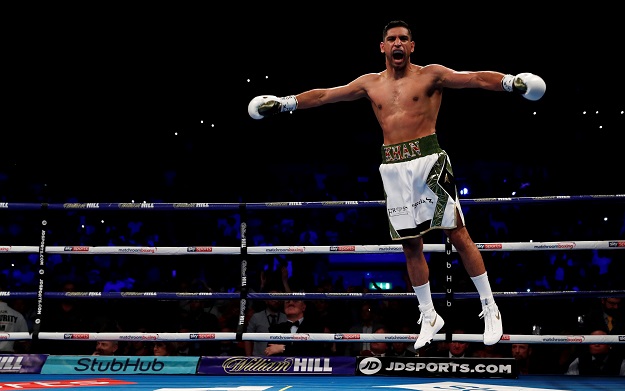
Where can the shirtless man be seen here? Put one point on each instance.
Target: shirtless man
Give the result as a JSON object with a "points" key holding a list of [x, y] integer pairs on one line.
{"points": [[418, 180]]}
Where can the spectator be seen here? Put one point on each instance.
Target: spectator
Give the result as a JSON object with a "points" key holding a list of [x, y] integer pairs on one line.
{"points": [[261, 321], [608, 316], [297, 323], [366, 324], [453, 349], [230, 348], [598, 360], [522, 353], [11, 321], [67, 315], [402, 349], [377, 348], [138, 348], [165, 348], [106, 348]]}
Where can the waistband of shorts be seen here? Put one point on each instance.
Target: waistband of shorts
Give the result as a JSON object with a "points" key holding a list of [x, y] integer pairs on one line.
{"points": [[410, 150]]}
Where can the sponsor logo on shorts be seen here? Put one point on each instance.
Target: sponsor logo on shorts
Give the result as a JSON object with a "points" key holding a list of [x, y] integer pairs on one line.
{"points": [[201, 336], [489, 246], [408, 150], [616, 244], [423, 201], [342, 248], [401, 210]]}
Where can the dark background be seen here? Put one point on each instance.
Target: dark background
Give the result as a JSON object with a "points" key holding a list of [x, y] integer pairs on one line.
{"points": [[126, 103], [94, 98]]}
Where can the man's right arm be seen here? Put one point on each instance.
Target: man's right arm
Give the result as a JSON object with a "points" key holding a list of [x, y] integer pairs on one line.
{"points": [[265, 105]]}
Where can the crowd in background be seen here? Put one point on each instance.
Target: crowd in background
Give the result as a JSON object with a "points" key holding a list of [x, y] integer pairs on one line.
{"points": [[509, 271]]}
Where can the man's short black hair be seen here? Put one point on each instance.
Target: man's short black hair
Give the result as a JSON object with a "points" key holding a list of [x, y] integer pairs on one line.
{"points": [[395, 23]]}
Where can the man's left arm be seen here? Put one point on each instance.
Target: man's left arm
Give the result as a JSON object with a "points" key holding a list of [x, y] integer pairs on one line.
{"points": [[529, 85]]}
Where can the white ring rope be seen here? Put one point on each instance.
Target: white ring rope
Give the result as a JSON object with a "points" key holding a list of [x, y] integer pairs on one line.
{"points": [[312, 337], [361, 249]]}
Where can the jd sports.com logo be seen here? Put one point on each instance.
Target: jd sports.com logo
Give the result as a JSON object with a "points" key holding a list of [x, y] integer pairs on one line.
{"points": [[370, 366]]}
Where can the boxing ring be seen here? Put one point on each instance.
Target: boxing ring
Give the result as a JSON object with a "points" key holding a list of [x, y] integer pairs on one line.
{"points": [[49, 213]]}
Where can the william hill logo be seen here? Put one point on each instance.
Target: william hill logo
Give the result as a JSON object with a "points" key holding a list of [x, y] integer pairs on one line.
{"points": [[201, 336]]}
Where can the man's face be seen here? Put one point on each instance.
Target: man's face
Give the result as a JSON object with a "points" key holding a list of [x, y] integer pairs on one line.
{"points": [[611, 305], [520, 351], [458, 348], [294, 308], [397, 47], [274, 305], [106, 348]]}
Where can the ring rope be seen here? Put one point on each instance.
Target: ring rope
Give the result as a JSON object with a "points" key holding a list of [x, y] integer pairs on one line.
{"points": [[301, 295], [310, 337], [284, 205], [264, 250]]}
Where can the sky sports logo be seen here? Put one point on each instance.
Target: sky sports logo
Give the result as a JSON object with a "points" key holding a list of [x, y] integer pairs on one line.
{"points": [[342, 248], [75, 336], [204, 249], [489, 246], [616, 244], [346, 336], [76, 248], [201, 336]]}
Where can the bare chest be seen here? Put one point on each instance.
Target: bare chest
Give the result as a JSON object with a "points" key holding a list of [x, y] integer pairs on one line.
{"points": [[398, 95]]}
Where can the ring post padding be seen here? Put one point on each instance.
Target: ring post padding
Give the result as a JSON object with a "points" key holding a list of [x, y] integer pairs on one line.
{"points": [[241, 328], [449, 283]]}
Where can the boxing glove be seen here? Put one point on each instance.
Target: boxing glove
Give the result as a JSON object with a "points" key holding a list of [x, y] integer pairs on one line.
{"points": [[265, 105], [530, 86]]}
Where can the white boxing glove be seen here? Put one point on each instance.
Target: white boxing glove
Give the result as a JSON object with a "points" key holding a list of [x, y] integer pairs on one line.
{"points": [[265, 105], [530, 86]]}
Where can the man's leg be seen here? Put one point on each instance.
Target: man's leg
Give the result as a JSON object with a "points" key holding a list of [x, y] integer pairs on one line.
{"points": [[474, 265], [419, 275]]}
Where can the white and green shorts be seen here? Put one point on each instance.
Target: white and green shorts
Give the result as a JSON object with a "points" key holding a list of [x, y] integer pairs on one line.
{"points": [[419, 188]]}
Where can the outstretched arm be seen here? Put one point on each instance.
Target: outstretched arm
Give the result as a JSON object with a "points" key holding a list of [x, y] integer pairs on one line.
{"points": [[530, 86], [264, 105]]}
